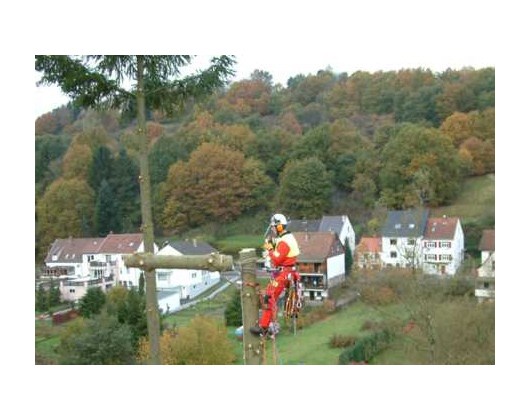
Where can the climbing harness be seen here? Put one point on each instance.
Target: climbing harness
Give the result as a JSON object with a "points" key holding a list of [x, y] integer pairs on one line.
{"points": [[294, 299]]}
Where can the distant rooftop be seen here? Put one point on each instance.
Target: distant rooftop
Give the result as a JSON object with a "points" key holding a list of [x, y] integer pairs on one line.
{"points": [[405, 223]]}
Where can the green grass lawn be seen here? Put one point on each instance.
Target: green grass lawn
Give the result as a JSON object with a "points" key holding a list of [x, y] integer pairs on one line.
{"points": [[310, 345], [231, 245], [475, 202]]}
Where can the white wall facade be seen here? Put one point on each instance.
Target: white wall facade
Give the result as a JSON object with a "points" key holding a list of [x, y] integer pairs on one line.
{"points": [[401, 252], [347, 234], [336, 269], [487, 268], [191, 283], [443, 256]]}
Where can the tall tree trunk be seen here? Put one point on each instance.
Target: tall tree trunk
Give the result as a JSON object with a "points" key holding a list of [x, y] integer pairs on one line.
{"points": [[249, 305], [153, 317]]}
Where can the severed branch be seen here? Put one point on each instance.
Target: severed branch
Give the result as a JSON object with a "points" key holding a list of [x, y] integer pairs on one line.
{"points": [[210, 262]]}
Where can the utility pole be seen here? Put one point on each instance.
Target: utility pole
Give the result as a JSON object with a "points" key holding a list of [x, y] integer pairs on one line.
{"points": [[249, 306]]}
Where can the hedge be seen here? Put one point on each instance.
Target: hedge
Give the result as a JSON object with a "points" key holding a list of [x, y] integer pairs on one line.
{"points": [[366, 348]]}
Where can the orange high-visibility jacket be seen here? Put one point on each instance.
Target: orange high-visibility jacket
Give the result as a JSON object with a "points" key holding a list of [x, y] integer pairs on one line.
{"points": [[286, 250]]}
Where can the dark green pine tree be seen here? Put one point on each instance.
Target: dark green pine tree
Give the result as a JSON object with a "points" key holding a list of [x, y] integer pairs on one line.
{"points": [[233, 311], [100, 167], [41, 299], [348, 258], [124, 184], [92, 303], [107, 217], [54, 295]]}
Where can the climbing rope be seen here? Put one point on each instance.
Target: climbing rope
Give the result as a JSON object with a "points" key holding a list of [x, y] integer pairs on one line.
{"points": [[293, 301]]}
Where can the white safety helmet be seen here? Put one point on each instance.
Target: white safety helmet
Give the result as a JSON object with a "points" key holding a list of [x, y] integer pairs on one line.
{"points": [[278, 219]]}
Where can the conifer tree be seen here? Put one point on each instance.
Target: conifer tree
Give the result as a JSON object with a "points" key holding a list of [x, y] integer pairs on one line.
{"points": [[103, 81]]}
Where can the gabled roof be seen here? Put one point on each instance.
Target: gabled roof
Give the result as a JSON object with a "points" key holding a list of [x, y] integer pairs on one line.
{"points": [[121, 243], [192, 247], [71, 250], [487, 241], [371, 244], [324, 224], [331, 224], [316, 246], [441, 228], [405, 223], [298, 225]]}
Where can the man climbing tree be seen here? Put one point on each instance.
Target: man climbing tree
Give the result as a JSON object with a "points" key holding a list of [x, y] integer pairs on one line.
{"points": [[283, 252], [101, 81]]}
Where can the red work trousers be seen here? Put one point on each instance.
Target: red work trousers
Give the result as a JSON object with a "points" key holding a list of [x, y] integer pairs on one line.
{"points": [[274, 289]]}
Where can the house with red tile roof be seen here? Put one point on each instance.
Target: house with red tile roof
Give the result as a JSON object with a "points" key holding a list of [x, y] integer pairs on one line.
{"points": [[80, 263], [71, 263], [321, 262], [69, 257], [341, 225], [368, 252], [442, 245], [112, 252], [410, 238]]}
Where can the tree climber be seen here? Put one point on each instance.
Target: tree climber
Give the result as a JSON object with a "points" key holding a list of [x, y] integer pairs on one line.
{"points": [[283, 252]]}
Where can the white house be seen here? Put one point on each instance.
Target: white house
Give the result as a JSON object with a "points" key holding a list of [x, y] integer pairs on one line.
{"points": [[485, 283], [189, 283], [443, 245], [69, 257], [487, 254], [321, 263], [68, 263], [341, 225], [401, 238], [109, 259], [80, 263]]}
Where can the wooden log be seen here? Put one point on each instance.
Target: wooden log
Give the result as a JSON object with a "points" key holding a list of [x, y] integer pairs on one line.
{"points": [[210, 262], [249, 306]]}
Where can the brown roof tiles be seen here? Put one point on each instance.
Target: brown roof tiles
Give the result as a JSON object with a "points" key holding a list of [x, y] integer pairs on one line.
{"points": [[121, 243], [441, 228], [370, 244], [487, 242], [315, 246]]}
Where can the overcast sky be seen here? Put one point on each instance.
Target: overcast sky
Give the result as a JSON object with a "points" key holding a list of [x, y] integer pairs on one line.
{"points": [[287, 39]]}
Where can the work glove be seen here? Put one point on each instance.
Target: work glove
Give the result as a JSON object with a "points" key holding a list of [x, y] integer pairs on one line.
{"points": [[268, 246]]}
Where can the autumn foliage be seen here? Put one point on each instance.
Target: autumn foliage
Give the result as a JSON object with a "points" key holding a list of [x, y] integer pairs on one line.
{"points": [[203, 342]]}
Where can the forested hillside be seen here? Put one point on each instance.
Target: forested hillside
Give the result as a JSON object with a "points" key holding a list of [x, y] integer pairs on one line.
{"points": [[328, 143]]}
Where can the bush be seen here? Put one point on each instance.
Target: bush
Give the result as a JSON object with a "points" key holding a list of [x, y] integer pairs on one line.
{"points": [[367, 347], [314, 314], [340, 341], [378, 295], [233, 311], [100, 340], [203, 342], [371, 325]]}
